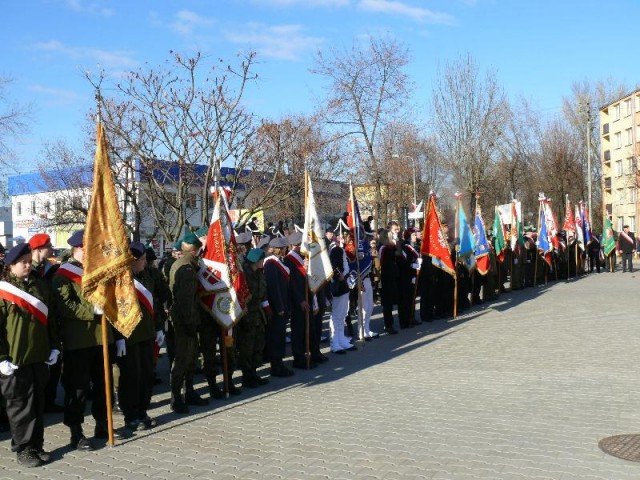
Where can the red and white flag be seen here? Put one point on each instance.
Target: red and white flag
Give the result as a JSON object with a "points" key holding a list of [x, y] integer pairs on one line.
{"points": [[434, 242], [224, 292]]}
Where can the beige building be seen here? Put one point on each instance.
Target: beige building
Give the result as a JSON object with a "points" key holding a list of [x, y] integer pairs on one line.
{"points": [[620, 146]]}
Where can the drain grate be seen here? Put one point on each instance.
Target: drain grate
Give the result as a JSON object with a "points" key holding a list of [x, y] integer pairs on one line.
{"points": [[626, 446]]}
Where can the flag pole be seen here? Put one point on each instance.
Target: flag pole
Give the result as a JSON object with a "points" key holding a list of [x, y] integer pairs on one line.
{"points": [[356, 225], [307, 323], [456, 248], [105, 335], [223, 353]]}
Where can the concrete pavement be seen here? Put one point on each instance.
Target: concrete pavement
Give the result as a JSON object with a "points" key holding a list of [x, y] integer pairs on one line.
{"points": [[523, 388]]}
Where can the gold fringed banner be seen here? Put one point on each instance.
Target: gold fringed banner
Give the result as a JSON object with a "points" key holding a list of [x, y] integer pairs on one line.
{"points": [[108, 281]]}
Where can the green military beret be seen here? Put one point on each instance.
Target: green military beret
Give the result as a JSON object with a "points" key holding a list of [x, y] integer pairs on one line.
{"points": [[191, 239], [202, 231], [255, 254]]}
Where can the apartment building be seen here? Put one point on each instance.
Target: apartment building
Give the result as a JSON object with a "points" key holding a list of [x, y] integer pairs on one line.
{"points": [[620, 147]]}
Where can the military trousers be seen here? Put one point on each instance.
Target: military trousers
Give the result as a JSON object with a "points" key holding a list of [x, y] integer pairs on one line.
{"points": [[250, 342], [82, 369], [24, 395], [185, 357], [136, 380]]}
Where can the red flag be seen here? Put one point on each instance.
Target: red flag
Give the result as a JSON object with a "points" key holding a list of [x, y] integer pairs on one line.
{"points": [[434, 242], [569, 224], [224, 290]]}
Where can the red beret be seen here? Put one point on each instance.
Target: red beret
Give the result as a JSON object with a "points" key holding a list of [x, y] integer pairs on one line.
{"points": [[39, 240]]}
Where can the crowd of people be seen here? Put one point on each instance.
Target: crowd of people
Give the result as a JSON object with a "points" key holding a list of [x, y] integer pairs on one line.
{"points": [[50, 333]]}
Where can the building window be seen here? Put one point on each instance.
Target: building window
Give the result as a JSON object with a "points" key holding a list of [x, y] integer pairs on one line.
{"points": [[59, 205], [629, 136], [627, 106], [192, 201], [638, 103], [616, 110], [632, 224], [33, 207], [47, 207], [76, 202], [19, 209], [618, 139], [618, 168], [630, 165], [632, 194], [620, 223]]}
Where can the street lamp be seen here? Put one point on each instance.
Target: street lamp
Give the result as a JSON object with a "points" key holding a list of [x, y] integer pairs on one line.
{"points": [[413, 165]]}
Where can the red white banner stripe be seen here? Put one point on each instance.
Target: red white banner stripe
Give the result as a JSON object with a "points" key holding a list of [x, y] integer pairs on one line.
{"points": [[145, 296], [28, 302], [70, 271]]}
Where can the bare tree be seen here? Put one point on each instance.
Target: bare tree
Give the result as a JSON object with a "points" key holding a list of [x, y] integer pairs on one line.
{"points": [[470, 114], [14, 119], [367, 89]]}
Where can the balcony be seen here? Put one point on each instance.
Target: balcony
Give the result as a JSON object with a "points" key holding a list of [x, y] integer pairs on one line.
{"points": [[607, 156], [605, 130], [607, 183]]}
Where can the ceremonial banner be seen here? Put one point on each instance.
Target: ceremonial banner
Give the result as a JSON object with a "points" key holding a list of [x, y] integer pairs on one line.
{"points": [[354, 221], [434, 242], [517, 236], [586, 226], [319, 269], [569, 224], [224, 291], [552, 224], [544, 246], [467, 240], [608, 241], [498, 235], [482, 246], [107, 281], [579, 229]]}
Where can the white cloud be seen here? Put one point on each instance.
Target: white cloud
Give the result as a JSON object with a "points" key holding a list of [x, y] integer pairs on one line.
{"points": [[401, 8], [55, 96], [303, 3], [187, 21], [92, 7], [106, 58], [286, 42]]}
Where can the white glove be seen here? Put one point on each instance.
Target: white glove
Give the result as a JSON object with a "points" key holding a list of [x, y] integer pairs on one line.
{"points": [[7, 368], [53, 356], [159, 338], [121, 348], [413, 281], [97, 310], [415, 266]]}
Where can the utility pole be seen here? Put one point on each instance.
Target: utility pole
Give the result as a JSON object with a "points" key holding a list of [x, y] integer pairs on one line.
{"points": [[589, 159]]}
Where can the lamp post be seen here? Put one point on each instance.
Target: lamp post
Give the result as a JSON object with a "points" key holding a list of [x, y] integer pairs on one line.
{"points": [[413, 166]]}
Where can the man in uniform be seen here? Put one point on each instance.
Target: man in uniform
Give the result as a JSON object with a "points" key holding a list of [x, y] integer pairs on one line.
{"points": [[42, 268], [301, 298], [277, 277], [81, 326], [185, 317], [626, 247]]}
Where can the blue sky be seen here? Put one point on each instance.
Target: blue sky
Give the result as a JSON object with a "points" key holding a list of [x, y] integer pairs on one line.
{"points": [[537, 48]]}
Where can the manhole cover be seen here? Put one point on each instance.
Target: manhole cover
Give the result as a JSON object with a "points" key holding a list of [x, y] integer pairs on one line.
{"points": [[626, 447]]}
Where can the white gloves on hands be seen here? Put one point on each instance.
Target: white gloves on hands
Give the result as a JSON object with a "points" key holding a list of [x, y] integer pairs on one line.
{"points": [[121, 348], [7, 368], [53, 356], [159, 338], [97, 310]]}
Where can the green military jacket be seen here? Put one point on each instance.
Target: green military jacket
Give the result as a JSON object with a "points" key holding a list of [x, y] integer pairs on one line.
{"points": [[183, 283], [79, 326], [149, 323], [25, 340], [161, 293], [257, 285]]}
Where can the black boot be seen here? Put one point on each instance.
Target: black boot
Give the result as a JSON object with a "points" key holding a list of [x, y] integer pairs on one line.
{"points": [[78, 440], [214, 391], [177, 402], [191, 397], [249, 379]]}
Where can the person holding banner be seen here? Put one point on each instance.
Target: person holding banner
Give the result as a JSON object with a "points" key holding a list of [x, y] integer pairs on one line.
{"points": [[134, 355], [82, 348], [28, 345]]}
